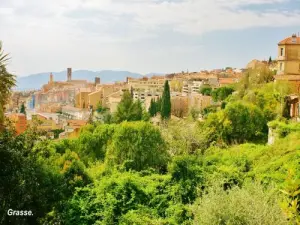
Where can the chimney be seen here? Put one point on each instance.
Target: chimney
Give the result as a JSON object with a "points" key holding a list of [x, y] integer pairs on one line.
{"points": [[69, 72], [97, 80], [294, 38]]}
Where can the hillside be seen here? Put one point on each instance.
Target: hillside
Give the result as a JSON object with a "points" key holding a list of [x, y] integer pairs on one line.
{"points": [[35, 81]]}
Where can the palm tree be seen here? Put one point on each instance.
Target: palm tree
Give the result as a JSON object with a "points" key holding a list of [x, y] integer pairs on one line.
{"points": [[7, 82]]}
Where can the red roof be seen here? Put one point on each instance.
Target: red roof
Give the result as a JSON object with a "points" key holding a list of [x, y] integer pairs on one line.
{"points": [[227, 80], [288, 41]]}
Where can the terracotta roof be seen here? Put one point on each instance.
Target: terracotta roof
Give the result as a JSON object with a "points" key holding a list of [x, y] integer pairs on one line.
{"points": [[289, 41], [227, 80]]}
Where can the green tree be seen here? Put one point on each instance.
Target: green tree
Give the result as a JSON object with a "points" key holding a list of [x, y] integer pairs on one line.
{"points": [[270, 60], [107, 200], [128, 110], [137, 146], [286, 108], [27, 181], [7, 82], [222, 93], [166, 102], [23, 110], [152, 108], [205, 90], [187, 174], [238, 123], [158, 105]]}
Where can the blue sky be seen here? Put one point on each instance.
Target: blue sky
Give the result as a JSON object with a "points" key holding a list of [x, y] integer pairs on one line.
{"points": [[143, 35]]}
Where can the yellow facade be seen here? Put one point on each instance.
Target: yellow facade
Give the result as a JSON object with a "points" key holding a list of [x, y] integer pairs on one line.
{"points": [[289, 56], [95, 98], [100, 96], [82, 98]]}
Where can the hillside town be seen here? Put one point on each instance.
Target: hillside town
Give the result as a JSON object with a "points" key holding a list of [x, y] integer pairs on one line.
{"points": [[62, 108]]}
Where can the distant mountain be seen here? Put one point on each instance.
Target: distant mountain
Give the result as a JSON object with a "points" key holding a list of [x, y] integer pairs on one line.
{"points": [[36, 81]]}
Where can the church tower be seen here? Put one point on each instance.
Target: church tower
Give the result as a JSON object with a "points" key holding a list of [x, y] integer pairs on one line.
{"points": [[69, 71], [51, 79]]}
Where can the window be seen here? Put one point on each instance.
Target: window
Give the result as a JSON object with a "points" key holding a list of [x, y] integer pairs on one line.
{"points": [[280, 67], [281, 52]]}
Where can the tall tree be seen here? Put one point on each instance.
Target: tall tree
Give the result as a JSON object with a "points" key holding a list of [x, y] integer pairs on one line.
{"points": [[23, 110], [7, 82], [158, 105], [152, 108], [166, 102], [128, 110], [270, 60]]}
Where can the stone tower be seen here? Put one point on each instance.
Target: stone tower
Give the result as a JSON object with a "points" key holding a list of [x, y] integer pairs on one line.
{"points": [[69, 71], [51, 78], [97, 80]]}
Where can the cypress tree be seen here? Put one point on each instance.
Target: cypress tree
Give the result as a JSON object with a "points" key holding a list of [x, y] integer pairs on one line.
{"points": [[152, 108], [22, 110], [166, 102], [158, 105]]}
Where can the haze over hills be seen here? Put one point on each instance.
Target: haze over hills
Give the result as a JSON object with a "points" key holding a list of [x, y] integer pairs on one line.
{"points": [[35, 81]]}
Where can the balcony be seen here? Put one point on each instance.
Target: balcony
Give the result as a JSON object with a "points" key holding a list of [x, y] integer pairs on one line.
{"points": [[281, 57]]}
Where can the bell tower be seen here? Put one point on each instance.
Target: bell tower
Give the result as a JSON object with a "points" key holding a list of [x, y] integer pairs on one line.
{"points": [[51, 78], [69, 72]]}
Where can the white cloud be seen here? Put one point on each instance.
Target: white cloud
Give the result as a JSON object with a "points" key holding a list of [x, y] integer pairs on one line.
{"points": [[186, 16], [42, 26]]}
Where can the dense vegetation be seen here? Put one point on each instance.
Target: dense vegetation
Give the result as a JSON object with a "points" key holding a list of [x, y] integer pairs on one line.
{"points": [[124, 170]]}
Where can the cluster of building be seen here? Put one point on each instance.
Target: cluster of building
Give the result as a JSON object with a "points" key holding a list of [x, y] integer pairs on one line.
{"points": [[68, 105]]}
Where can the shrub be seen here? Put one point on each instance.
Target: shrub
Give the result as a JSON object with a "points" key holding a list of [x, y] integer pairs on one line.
{"points": [[248, 205]]}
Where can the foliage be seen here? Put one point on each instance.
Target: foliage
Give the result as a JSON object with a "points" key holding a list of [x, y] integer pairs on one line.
{"points": [[248, 205], [184, 137], [7, 82], [128, 110], [101, 109], [238, 123], [57, 132], [194, 113], [220, 94], [205, 90], [155, 107], [137, 146], [269, 98], [284, 128], [187, 173], [152, 109], [166, 102], [209, 109], [291, 189], [23, 110], [26, 183]]}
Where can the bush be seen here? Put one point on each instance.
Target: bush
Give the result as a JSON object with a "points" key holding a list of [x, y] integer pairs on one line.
{"points": [[137, 146], [248, 205], [238, 123]]}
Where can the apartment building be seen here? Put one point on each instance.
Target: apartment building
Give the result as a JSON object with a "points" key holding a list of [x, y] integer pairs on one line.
{"points": [[192, 86], [146, 87], [289, 56]]}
